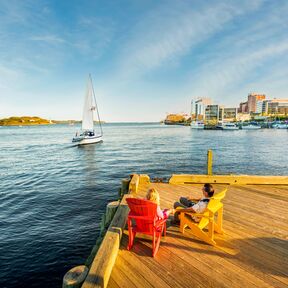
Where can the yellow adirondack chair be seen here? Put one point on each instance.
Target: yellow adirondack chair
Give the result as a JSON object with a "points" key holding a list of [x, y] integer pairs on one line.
{"points": [[207, 218]]}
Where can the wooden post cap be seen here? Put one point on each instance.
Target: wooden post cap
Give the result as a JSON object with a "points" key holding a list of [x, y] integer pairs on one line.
{"points": [[113, 204], [75, 277]]}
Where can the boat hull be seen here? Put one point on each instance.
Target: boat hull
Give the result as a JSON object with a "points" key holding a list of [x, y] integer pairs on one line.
{"points": [[197, 125], [280, 126], [87, 140], [230, 128], [250, 127]]}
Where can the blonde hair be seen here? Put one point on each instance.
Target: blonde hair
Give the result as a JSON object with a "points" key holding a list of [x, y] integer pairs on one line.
{"points": [[153, 196]]}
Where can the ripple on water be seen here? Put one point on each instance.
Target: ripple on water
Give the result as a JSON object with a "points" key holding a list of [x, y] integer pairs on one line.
{"points": [[53, 193]]}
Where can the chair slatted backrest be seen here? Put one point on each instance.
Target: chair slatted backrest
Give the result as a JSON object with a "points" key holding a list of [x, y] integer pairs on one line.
{"points": [[213, 206], [143, 212]]}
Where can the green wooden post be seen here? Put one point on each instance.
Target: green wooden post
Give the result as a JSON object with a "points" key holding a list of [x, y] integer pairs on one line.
{"points": [[209, 162]]}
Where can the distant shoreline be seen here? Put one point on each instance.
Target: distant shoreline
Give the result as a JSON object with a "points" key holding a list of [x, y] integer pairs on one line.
{"points": [[24, 121], [36, 121]]}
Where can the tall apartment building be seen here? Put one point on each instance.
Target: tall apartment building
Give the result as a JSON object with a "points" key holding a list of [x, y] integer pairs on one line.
{"points": [[253, 98], [260, 106], [243, 107], [198, 108]]}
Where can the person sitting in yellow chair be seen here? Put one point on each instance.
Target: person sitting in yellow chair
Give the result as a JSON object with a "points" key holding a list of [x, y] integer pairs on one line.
{"points": [[194, 205]]}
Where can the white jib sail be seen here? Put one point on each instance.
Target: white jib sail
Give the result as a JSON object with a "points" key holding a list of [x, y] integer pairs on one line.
{"points": [[87, 118]]}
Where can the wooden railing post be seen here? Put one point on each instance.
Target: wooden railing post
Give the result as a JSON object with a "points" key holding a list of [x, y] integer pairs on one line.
{"points": [[209, 162]]}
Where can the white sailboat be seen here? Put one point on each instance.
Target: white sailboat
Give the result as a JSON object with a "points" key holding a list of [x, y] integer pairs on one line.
{"points": [[88, 134]]}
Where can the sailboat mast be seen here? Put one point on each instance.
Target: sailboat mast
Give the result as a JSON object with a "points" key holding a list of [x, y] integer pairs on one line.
{"points": [[96, 105]]}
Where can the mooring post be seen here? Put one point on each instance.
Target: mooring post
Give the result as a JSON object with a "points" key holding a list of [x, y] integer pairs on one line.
{"points": [[209, 162], [75, 277]]}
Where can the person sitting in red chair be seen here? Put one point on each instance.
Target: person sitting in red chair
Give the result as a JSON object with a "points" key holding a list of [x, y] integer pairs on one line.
{"points": [[154, 196], [146, 217]]}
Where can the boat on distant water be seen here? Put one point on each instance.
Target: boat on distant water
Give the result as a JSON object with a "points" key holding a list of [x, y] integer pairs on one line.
{"points": [[197, 125], [87, 134], [229, 126], [280, 126], [250, 127]]}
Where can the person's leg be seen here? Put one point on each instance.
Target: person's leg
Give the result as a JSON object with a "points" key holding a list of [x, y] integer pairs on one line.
{"points": [[186, 202], [178, 204]]}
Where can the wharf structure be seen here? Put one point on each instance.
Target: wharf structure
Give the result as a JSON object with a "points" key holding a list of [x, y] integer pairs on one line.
{"points": [[252, 252]]}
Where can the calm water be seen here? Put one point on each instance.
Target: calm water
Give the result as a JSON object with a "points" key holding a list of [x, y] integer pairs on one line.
{"points": [[52, 194]]}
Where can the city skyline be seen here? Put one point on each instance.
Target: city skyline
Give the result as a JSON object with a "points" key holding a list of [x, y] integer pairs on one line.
{"points": [[146, 58]]}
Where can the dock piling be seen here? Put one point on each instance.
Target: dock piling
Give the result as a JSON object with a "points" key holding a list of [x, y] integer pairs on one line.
{"points": [[209, 162], [75, 277]]}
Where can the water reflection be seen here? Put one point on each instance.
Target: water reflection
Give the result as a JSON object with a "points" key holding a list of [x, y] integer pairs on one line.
{"points": [[88, 160]]}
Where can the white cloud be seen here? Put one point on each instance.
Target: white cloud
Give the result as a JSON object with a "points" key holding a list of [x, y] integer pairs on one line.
{"points": [[228, 76], [169, 32], [50, 39]]}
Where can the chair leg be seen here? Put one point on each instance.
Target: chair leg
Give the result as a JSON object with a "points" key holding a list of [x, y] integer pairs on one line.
{"points": [[211, 230], [153, 243], [183, 224], [219, 224], [132, 235], [164, 229], [205, 236], [157, 241]]}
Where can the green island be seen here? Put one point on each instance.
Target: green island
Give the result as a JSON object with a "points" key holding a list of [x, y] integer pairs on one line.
{"points": [[24, 120], [34, 120]]}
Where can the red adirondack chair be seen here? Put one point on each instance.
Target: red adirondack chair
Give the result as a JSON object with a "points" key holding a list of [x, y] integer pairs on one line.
{"points": [[145, 221]]}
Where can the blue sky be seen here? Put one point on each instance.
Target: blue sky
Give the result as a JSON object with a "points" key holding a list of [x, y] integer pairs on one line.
{"points": [[147, 58]]}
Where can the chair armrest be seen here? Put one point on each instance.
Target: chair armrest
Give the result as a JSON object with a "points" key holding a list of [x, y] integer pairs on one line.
{"points": [[196, 214]]}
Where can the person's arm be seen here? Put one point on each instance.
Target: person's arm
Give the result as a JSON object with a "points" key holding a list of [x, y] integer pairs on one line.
{"points": [[193, 199], [190, 209], [160, 212]]}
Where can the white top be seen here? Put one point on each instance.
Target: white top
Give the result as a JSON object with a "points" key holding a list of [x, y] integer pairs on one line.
{"points": [[200, 207]]}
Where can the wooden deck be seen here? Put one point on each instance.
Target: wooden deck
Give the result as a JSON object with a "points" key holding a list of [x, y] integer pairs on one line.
{"points": [[253, 252]]}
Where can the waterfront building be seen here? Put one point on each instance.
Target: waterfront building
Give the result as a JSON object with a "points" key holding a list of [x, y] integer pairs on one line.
{"points": [[252, 101], [260, 106], [229, 114], [243, 117], [221, 114], [243, 107], [275, 106], [213, 114], [217, 113], [198, 107]]}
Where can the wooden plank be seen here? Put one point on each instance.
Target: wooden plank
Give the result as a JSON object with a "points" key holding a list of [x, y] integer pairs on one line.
{"points": [[164, 266], [216, 263], [251, 253], [238, 264], [229, 179]]}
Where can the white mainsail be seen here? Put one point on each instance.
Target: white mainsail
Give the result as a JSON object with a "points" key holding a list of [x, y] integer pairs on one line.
{"points": [[87, 117], [88, 135]]}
